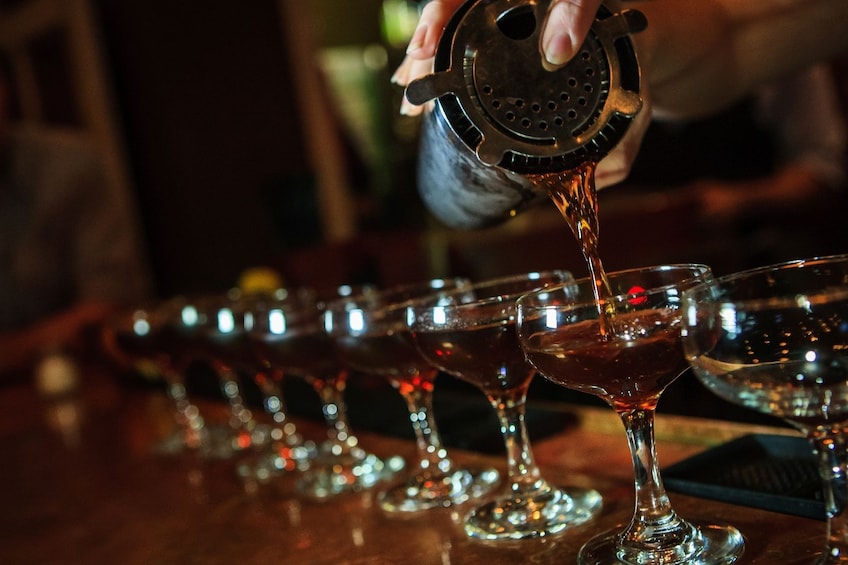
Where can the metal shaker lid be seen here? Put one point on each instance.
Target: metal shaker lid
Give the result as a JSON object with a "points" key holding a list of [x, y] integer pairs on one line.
{"points": [[497, 96]]}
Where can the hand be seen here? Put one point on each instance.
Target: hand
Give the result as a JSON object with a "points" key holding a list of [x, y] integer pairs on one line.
{"points": [[615, 167], [566, 27], [793, 184], [422, 47]]}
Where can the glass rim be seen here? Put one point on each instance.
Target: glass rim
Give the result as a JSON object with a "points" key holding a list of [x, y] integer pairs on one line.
{"points": [[568, 278], [781, 266], [810, 298], [376, 310], [523, 302]]}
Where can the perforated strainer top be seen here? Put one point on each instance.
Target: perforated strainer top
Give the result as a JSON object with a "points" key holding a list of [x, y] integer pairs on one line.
{"points": [[498, 97]]}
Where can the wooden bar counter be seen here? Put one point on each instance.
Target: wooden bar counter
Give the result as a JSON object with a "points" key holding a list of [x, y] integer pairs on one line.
{"points": [[81, 485]]}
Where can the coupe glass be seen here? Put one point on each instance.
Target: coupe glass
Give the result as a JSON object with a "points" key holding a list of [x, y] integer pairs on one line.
{"points": [[371, 335], [249, 314], [291, 336], [626, 348], [775, 339], [475, 340], [136, 338], [210, 331]]}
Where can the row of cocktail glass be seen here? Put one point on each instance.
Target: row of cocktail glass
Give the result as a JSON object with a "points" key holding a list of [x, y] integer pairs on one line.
{"points": [[773, 339]]}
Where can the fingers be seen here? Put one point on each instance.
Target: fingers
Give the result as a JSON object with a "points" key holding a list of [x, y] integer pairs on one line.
{"points": [[425, 39], [434, 17], [566, 27], [409, 70], [422, 47], [615, 167]]}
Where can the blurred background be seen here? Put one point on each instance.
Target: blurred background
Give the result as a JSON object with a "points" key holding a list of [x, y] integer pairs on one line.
{"points": [[266, 133]]}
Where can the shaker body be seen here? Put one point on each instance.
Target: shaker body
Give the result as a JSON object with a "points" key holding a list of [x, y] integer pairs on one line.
{"points": [[458, 190]]}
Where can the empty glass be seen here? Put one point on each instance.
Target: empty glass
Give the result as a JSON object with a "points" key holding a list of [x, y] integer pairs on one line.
{"points": [[775, 340]]}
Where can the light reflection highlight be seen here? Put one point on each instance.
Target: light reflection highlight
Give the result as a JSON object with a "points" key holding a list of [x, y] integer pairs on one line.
{"points": [[276, 322]]}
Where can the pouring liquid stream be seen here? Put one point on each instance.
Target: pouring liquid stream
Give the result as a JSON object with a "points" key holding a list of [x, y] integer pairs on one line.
{"points": [[576, 197]]}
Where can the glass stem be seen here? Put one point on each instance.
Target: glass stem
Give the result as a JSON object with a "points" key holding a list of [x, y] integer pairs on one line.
{"points": [[241, 418], [432, 457], [276, 408], [188, 415], [335, 414], [523, 473], [653, 519], [831, 451]]}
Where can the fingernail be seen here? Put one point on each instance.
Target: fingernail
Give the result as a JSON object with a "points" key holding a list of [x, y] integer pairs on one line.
{"points": [[406, 108], [559, 49], [395, 76]]}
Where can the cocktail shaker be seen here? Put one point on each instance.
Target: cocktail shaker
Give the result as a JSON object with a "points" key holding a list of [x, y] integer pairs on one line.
{"points": [[500, 114]]}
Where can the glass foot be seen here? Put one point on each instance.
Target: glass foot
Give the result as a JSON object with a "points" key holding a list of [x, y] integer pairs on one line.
{"points": [[209, 442], [221, 441], [831, 556], [425, 491], [276, 459], [540, 513], [329, 474], [712, 544], [255, 438], [172, 444]]}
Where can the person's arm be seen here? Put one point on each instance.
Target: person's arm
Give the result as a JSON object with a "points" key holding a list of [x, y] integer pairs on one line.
{"points": [[808, 125], [790, 185], [21, 350], [700, 56]]}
